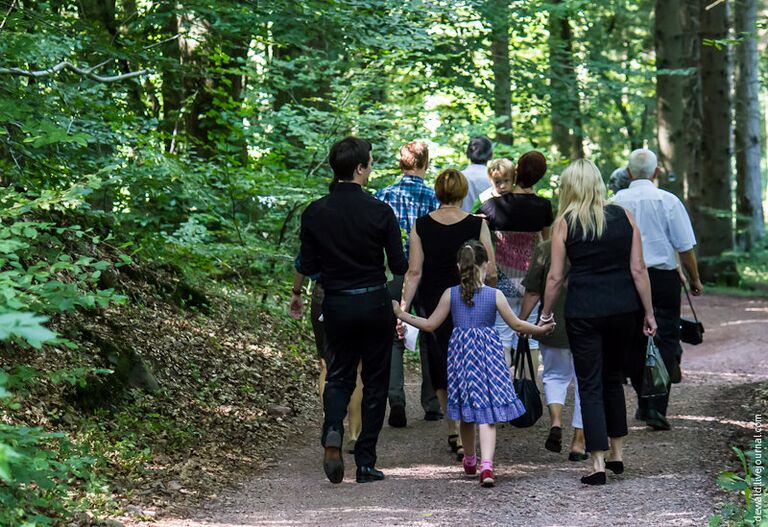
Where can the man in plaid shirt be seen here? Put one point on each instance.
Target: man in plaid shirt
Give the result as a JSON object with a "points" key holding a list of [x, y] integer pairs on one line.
{"points": [[410, 198]]}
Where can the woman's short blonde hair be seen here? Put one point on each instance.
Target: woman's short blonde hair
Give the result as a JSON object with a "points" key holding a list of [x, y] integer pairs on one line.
{"points": [[503, 167], [582, 198], [451, 186]]}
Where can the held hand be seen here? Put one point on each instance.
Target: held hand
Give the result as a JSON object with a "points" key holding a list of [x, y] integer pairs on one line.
{"points": [[296, 307], [546, 328], [400, 327], [649, 325], [696, 287]]}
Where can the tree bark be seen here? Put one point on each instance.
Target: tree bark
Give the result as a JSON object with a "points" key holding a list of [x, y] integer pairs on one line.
{"points": [[670, 111], [497, 12], [749, 192], [709, 191], [564, 86]]}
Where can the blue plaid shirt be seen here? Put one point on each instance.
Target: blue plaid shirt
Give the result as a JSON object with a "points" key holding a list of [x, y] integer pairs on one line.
{"points": [[410, 198]]}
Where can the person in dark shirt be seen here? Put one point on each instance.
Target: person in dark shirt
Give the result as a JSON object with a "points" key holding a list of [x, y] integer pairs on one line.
{"points": [[344, 237]]}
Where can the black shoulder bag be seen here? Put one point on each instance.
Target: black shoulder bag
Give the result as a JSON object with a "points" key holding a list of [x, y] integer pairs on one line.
{"points": [[691, 331], [526, 389]]}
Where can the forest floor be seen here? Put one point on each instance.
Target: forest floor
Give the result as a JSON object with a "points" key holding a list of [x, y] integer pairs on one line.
{"points": [[670, 476]]}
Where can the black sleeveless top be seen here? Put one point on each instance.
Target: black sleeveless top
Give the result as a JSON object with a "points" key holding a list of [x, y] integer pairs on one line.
{"points": [[440, 244], [600, 282]]}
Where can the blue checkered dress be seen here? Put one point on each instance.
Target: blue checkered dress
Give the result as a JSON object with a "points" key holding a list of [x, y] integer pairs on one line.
{"points": [[410, 198], [480, 387]]}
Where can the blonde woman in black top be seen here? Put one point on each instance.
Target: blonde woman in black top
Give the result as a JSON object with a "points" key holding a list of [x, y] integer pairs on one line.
{"points": [[609, 296]]}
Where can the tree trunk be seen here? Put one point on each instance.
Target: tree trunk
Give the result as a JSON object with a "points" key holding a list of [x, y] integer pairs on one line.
{"points": [[749, 192], [214, 85], [498, 14], [564, 86], [709, 192], [670, 111]]}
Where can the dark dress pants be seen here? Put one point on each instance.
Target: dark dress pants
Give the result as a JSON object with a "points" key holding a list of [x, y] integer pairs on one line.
{"points": [[665, 291], [358, 328], [599, 346]]}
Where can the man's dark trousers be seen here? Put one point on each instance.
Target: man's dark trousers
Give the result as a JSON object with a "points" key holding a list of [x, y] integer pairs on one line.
{"points": [[358, 327], [665, 290]]}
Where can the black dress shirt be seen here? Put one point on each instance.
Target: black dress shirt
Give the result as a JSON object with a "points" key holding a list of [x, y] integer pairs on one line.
{"points": [[344, 236]]}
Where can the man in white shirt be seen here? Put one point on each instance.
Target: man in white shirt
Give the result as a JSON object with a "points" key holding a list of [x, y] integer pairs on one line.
{"points": [[667, 235], [479, 152]]}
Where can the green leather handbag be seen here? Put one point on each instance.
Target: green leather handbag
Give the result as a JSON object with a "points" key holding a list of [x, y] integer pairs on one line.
{"points": [[655, 375]]}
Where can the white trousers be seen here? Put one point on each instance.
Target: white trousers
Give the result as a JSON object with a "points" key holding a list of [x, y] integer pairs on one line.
{"points": [[558, 375]]}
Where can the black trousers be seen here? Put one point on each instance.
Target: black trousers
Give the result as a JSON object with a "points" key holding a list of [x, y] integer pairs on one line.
{"points": [[600, 346], [358, 328], [665, 291]]}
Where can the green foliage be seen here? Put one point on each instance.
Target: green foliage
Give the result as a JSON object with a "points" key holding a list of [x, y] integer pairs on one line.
{"points": [[742, 509]]}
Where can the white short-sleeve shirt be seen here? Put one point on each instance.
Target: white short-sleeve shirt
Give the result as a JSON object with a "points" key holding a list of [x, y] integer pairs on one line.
{"points": [[664, 225], [477, 179]]}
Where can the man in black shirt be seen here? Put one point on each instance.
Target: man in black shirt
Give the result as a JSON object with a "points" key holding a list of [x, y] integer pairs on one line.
{"points": [[344, 237]]}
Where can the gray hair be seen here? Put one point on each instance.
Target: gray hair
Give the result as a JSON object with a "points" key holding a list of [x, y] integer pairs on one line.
{"points": [[619, 180], [642, 163]]}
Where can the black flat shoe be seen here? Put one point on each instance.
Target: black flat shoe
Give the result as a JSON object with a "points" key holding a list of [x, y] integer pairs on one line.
{"points": [[554, 442], [333, 463], [578, 456], [617, 467], [460, 453], [369, 474], [598, 478], [453, 442]]}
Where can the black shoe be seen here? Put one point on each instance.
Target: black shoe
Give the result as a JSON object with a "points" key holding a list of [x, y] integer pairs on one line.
{"points": [[617, 467], [598, 478], [554, 442], [333, 463], [368, 474], [657, 421], [397, 417], [432, 416], [641, 414], [578, 456]]}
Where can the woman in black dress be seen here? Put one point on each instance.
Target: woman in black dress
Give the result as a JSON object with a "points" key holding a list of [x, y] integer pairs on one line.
{"points": [[608, 295], [434, 241]]}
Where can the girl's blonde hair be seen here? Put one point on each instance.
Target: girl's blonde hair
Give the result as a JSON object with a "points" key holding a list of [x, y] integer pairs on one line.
{"points": [[582, 198], [503, 167], [470, 257]]}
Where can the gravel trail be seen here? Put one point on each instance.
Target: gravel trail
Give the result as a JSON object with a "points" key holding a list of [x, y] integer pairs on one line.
{"points": [[669, 479]]}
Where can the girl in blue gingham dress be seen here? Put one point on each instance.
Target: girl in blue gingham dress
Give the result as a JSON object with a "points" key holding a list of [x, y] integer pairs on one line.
{"points": [[480, 390]]}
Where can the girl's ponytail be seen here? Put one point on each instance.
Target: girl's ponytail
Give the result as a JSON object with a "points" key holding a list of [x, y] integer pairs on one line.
{"points": [[470, 274], [470, 257]]}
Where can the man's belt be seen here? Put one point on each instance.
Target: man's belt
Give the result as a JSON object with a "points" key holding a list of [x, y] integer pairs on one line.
{"points": [[352, 292]]}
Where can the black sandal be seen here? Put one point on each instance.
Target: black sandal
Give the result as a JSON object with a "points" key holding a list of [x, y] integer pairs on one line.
{"points": [[554, 442], [460, 453], [453, 442]]}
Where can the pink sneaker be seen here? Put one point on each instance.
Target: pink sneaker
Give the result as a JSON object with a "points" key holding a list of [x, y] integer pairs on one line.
{"points": [[487, 479], [469, 470]]}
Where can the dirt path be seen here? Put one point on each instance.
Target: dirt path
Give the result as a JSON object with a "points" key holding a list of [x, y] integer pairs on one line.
{"points": [[669, 478]]}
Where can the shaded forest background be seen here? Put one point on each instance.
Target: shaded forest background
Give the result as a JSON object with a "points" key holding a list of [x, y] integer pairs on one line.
{"points": [[160, 153]]}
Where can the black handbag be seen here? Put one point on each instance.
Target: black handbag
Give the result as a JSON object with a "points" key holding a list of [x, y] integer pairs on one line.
{"points": [[655, 375], [691, 331], [526, 389]]}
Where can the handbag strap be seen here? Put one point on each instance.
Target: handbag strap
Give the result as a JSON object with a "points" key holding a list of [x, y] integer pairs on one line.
{"points": [[690, 304], [522, 358]]}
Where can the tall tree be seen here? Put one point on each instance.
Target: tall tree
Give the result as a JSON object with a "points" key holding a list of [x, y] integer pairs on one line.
{"points": [[670, 83], [497, 11], [749, 190], [564, 86], [709, 191]]}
